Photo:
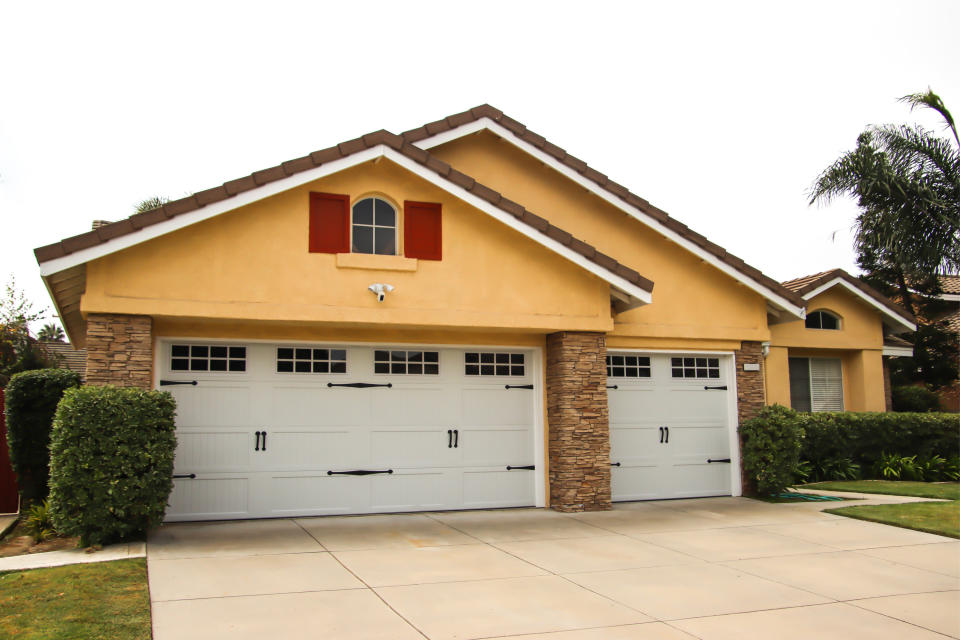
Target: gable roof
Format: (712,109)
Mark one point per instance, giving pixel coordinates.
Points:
(490,118)
(62,263)
(949,282)
(812,285)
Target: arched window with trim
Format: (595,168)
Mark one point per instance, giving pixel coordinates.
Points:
(374,227)
(823,320)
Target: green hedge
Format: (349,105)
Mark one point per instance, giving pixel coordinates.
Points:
(771,448)
(915,399)
(111,462)
(31,399)
(847,445)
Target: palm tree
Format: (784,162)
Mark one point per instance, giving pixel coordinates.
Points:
(51,333)
(907,184)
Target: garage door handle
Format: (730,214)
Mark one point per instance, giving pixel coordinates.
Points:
(518,386)
(257,447)
(184,475)
(167,383)
(529,467)
(456,438)
(612,386)
(727,460)
(358,472)
(614,464)
(449,438)
(359,385)
(661,435)
(667,429)
(723,388)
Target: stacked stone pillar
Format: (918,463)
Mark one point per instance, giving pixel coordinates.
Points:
(579,446)
(751,395)
(120,350)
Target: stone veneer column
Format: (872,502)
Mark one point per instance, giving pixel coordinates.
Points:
(120,350)
(751,395)
(579,425)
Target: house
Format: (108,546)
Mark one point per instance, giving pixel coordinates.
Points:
(836,359)
(64,354)
(461,316)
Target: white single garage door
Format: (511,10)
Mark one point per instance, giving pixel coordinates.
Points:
(670,431)
(274,430)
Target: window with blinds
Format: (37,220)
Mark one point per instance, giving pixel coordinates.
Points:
(816,384)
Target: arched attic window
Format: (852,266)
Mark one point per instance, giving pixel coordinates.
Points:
(374,227)
(823,320)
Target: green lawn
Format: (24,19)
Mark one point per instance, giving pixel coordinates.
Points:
(941,490)
(942,518)
(102,600)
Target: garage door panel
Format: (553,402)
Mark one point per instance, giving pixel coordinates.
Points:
(410,448)
(672,463)
(312,429)
(213,404)
(319,406)
(220,450)
(410,489)
(638,481)
(481,446)
(312,449)
(407,405)
(489,488)
(495,405)
(209,498)
(315,494)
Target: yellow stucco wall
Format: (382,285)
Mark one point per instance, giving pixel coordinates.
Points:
(253,265)
(694,304)
(858,344)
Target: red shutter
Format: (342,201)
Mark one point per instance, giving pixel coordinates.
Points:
(422,230)
(329,223)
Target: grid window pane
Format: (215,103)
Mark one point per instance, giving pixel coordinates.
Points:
(374,227)
(493,364)
(309,360)
(406,362)
(622,366)
(203,357)
(695,367)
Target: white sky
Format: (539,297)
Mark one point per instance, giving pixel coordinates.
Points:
(720,113)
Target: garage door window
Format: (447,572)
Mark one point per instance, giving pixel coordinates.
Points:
(308,360)
(816,384)
(205,357)
(493,364)
(628,366)
(407,362)
(695,367)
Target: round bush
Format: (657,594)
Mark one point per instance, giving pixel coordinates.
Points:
(31,399)
(914,398)
(771,448)
(111,461)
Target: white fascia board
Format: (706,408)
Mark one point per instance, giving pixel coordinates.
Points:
(211,210)
(899,320)
(898,352)
(637,294)
(950,297)
(504,133)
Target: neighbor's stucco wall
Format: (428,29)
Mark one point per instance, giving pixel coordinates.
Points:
(253,265)
(694,304)
(858,343)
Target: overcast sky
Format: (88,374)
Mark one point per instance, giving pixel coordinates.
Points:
(720,113)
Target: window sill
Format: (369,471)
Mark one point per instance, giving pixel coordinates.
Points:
(375,262)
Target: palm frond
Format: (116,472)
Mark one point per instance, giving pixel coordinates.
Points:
(930,100)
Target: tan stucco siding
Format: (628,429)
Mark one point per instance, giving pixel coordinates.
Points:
(252,264)
(692,300)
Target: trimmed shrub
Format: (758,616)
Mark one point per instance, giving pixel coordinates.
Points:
(771,448)
(111,462)
(915,399)
(31,400)
(863,439)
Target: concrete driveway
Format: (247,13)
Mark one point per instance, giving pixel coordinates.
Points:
(704,568)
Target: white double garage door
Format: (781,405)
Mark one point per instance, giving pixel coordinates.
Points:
(276,430)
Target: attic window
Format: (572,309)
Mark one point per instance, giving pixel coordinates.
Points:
(822,320)
(374,227)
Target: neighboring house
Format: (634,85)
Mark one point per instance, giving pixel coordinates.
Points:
(835,359)
(66,356)
(463,316)
(950,284)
